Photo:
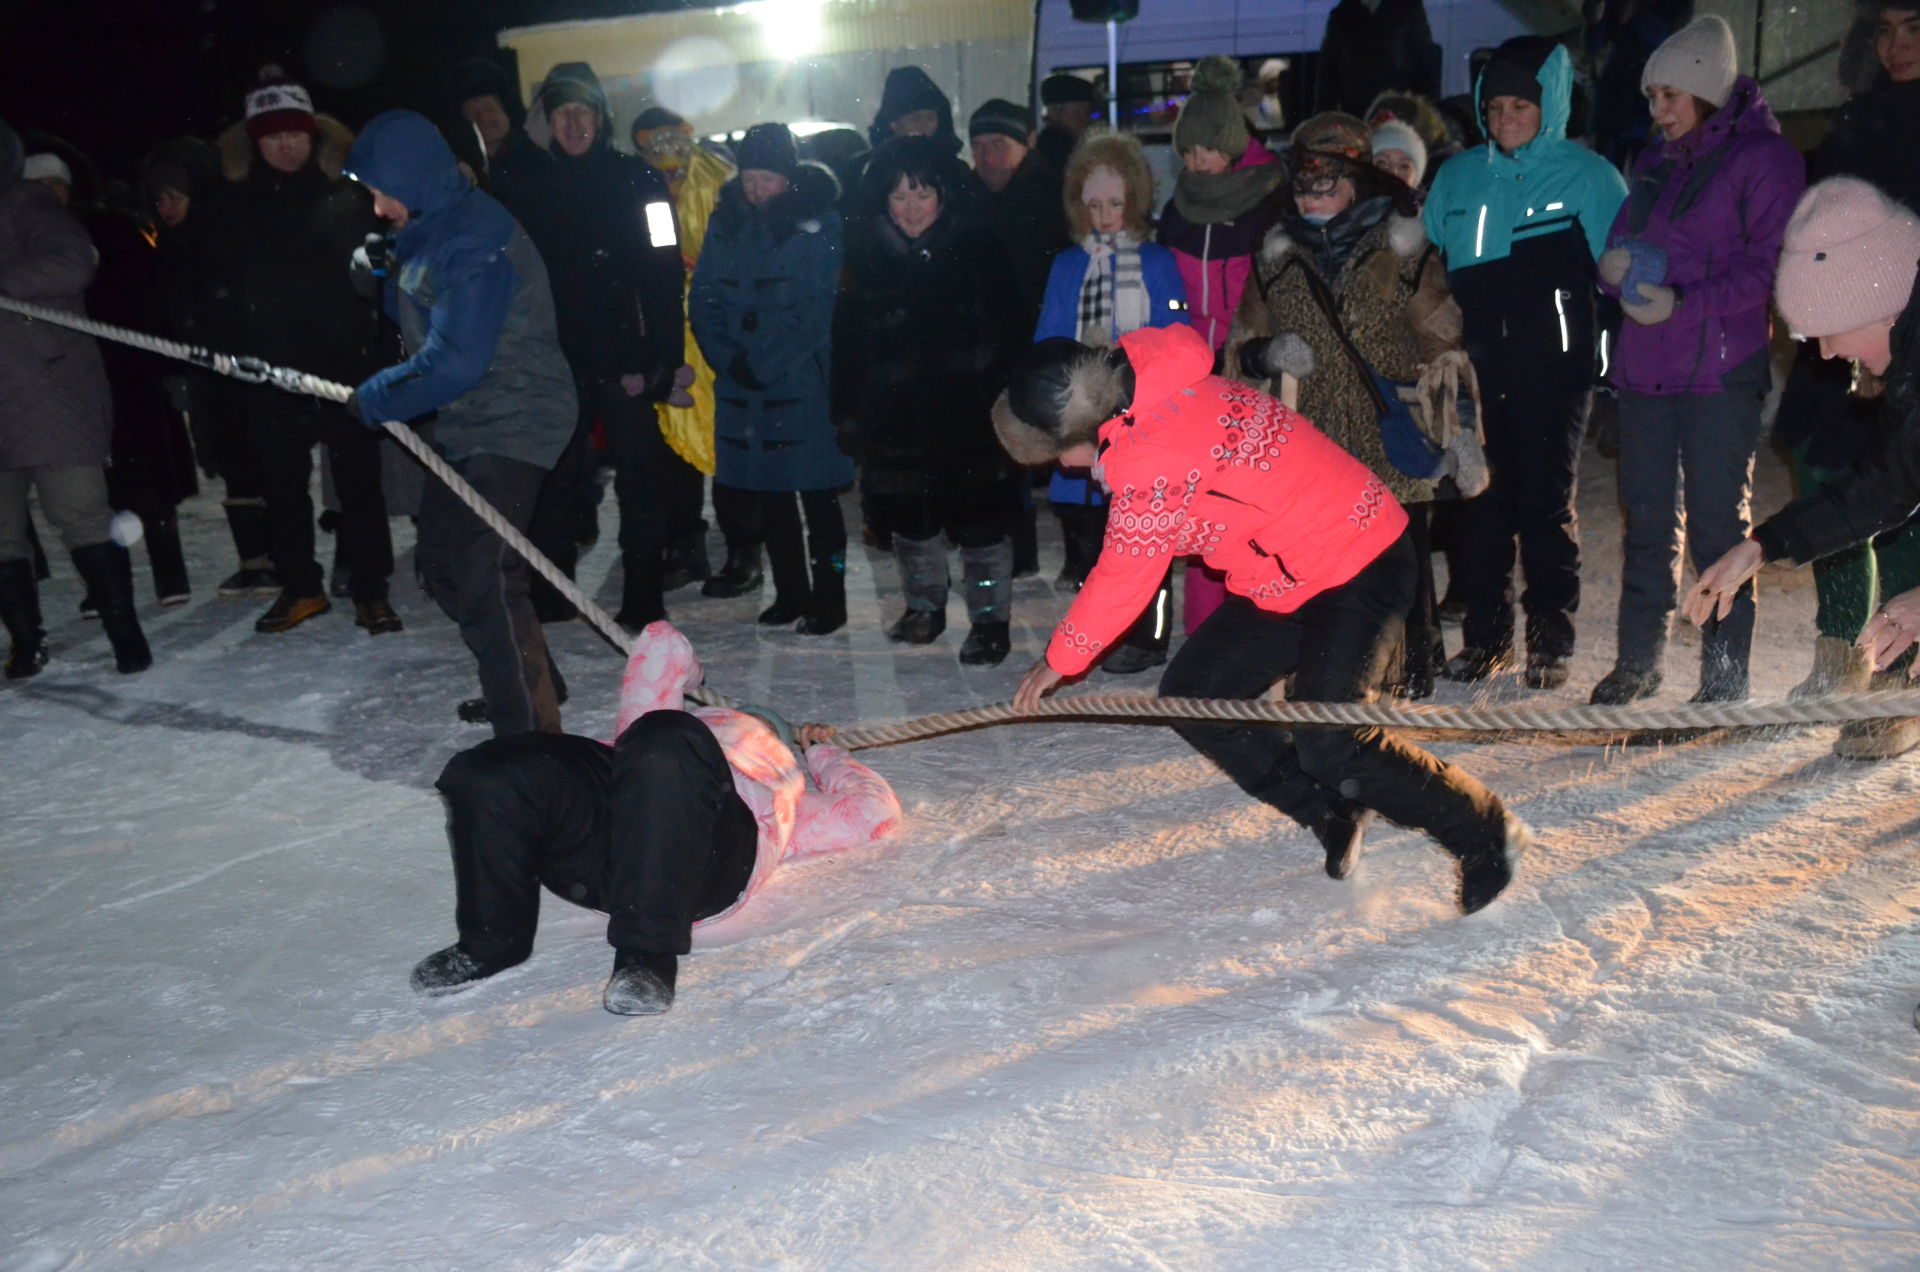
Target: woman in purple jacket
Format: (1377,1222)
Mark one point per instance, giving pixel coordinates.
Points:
(1691,257)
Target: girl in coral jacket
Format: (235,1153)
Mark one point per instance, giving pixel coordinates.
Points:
(677,823)
(1319,571)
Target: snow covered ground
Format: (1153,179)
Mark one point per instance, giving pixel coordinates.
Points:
(1091,1008)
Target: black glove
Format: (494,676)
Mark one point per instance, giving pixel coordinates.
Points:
(740,371)
(1253,358)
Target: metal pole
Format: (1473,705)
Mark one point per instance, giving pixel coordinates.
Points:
(1113,74)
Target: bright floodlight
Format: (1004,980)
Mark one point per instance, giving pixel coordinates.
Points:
(791,27)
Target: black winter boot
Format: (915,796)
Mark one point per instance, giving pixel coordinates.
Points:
(686,560)
(1485,874)
(168,559)
(640,599)
(827,611)
(641,984)
(739,576)
(20,610)
(1340,833)
(792,590)
(987,644)
(108,571)
(451,970)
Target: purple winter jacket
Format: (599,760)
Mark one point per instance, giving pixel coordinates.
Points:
(1717,200)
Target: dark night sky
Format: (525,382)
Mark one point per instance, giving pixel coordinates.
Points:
(114,76)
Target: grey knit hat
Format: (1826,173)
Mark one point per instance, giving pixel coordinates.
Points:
(1212,115)
(1699,58)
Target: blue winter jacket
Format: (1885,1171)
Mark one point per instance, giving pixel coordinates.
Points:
(761,307)
(1521,233)
(471,297)
(1060,316)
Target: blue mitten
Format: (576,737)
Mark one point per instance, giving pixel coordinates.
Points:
(1649,265)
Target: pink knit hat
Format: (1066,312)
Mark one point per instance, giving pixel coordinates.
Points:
(1848,260)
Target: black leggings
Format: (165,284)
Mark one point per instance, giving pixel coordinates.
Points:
(649,830)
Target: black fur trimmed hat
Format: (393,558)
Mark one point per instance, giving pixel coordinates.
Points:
(1058,397)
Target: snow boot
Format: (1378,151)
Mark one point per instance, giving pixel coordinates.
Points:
(987,645)
(739,576)
(1722,678)
(20,610)
(1545,671)
(1623,685)
(1485,873)
(169,560)
(792,590)
(1472,664)
(641,984)
(451,970)
(1340,832)
(827,611)
(918,627)
(686,560)
(1839,666)
(986,582)
(1879,739)
(108,571)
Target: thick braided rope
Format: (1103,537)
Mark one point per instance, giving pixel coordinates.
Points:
(1859,706)
(1854,706)
(255,371)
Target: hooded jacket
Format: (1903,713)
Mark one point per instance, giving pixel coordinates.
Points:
(54,407)
(1213,225)
(1717,200)
(1200,464)
(1521,233)
(1883,489)
(471,297)
(849,804)
(909,88)
(614,257)
(761,307)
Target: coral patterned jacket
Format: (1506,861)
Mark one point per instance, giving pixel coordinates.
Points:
(852,805)
(1200,464)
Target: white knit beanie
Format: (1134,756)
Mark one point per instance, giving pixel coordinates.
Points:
(47,167)
(1699,58)
(1848,260)
(1394,135)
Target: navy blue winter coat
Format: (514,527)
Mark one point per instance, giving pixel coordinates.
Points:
(761,307)
(471,297)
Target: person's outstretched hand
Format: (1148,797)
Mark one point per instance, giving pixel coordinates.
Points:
(812,735)
(1712,596)
(1035,685)
(1892,630)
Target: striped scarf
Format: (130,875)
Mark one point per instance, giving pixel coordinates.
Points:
(1113,295)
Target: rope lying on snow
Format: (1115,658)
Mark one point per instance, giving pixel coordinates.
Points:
(1856,706)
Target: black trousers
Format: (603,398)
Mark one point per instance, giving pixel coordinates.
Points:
(649,830)
(772,517)
(481,583)
(284,429)
(1333,646)
(1533,450)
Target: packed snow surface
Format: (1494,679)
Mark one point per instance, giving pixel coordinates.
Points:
(1090,1008)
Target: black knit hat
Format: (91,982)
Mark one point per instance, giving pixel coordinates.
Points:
(1506,77)
(998,115)
(479,77)
(1058,90)
(770,148)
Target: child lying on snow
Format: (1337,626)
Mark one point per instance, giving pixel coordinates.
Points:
(1319,568)
(677,823)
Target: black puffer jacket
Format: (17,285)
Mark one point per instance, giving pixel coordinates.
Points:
(617,291)
(1031,223)
(925,334)
(292,238)
(1883,489)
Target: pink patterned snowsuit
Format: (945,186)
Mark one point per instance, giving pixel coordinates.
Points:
(849,805)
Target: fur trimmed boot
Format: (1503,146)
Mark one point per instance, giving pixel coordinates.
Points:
(1839,666)
(1879,739)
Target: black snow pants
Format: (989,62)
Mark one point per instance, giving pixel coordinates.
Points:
(1334,646)
(649,830)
